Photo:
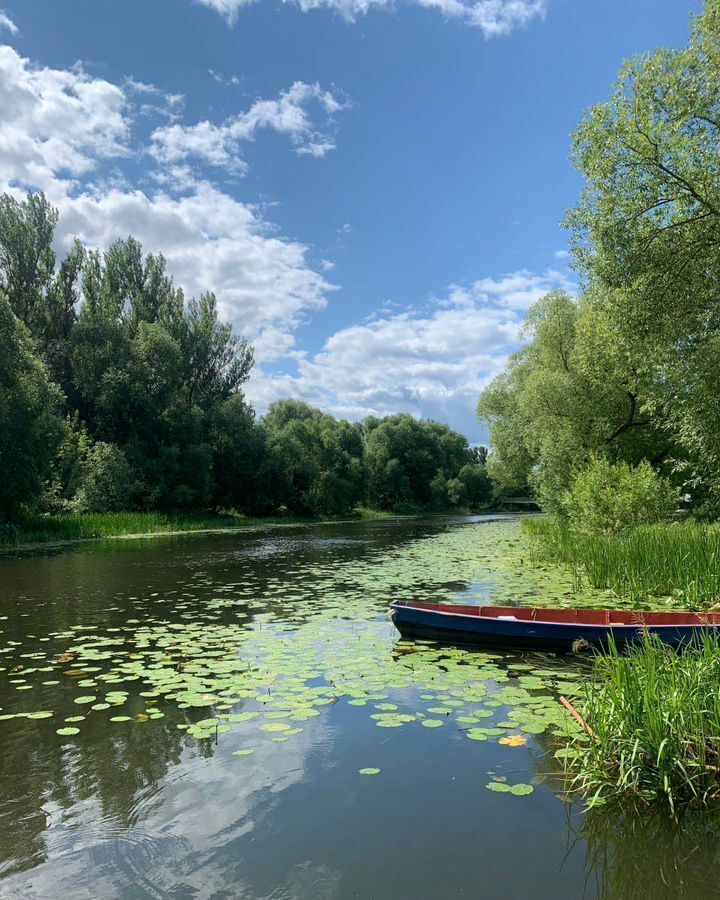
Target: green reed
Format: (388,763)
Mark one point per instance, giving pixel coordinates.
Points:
(42,529)
(681,559)
(654,713)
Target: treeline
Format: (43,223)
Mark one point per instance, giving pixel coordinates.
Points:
(117,393)
(614,401)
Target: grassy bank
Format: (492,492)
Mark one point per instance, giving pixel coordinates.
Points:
(655,718)
(46,529)
(681,559)
(88,526)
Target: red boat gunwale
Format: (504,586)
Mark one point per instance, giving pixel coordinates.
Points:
(577,617)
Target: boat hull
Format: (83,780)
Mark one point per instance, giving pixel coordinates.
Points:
(415,622)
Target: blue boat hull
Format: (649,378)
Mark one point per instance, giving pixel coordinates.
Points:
(420,623)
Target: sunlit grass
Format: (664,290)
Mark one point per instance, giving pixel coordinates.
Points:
(41,529)
(654,713)
(680,559)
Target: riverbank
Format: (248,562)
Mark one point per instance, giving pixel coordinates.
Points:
(678,560)
(65,529)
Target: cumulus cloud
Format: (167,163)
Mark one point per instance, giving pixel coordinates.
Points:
(57,123)
(219,145)
(492,17)
(70,134)
(431,363)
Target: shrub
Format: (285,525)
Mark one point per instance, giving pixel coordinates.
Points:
(610,498)
(107,482)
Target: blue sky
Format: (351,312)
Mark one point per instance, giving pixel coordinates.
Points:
(373,190)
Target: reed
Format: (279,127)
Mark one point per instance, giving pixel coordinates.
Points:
(655,719)
(681,559)
(45,529)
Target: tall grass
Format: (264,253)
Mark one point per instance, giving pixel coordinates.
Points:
(84,526)
(680,559)
(42,529)
(655,718)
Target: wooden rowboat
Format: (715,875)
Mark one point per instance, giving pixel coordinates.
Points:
(553,629)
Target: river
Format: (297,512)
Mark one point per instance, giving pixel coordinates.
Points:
(234,716)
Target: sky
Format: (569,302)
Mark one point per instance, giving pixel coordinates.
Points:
(373,190)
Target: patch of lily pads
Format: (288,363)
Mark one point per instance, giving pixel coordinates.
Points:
(264,659)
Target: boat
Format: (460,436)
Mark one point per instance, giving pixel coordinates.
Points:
(546,629)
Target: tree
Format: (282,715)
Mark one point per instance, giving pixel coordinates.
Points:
(152,373)
(410,463)
(41,297)
(107,483)
(30,426)
(238,451)
(647,233)
(567,394)
(313,462)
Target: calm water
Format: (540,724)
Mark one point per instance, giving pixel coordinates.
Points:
(224,692)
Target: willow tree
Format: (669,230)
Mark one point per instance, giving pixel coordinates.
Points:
(647,232)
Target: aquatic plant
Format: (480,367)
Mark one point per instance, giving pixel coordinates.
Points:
(251,663)
(654,726)
(679,560)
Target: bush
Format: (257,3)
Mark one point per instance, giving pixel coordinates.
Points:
(610,498)
(107,482)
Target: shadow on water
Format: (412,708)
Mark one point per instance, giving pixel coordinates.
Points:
(641,854)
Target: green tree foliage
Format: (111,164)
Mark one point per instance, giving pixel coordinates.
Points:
(563,397)
(238,452)
(144,372)
(414,464)
(610,498)
(647,233)
(630,372)
(107,483)
(30,426)
(314,463)
(155,417)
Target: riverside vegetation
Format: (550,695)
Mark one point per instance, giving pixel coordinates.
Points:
(117,396)
(610,413)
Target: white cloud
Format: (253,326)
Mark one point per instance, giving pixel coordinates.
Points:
(222,79)
(492,17)
(69,134)
(7,24)
(211,242)
(57,123)
(431,363)
(219,145)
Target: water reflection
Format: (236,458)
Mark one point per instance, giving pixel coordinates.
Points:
(640,854)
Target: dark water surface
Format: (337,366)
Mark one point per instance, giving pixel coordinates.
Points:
(184,652)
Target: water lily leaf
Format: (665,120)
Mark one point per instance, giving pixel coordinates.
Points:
(521,790)
(499,787)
